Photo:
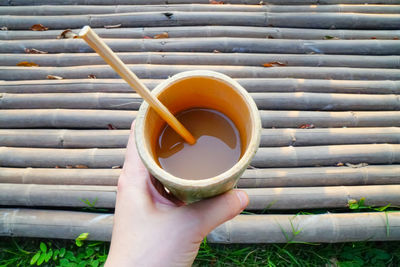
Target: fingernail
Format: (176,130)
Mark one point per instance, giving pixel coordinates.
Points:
(243,198)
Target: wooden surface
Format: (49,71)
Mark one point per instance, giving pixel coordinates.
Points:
(328,95)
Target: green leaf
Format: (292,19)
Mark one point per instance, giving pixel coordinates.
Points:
(62,252)
(35,258)
(79,240)
(70,256)
(43,247)
(383,208)
(41,259)
(89,252)
(94,263)
(55,254)
(48,255)
(82,264)
(327,37)
(64,262)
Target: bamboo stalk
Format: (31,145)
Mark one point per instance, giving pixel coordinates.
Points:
(52,138)
(324,20)
(252,178)
(161,2)
(271,157)
(329,227)
(251,85)
(122,119)
(274,101)
(283,198)
(212,31)
(147,71)
(58,176)
(221,44)
(97,9)
(305,156)
(233,59)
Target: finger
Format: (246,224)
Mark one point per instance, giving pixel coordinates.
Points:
(212,212)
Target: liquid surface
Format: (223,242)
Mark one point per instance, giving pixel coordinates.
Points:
(217,148)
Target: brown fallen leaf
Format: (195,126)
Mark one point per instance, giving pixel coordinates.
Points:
(69,166)
(373,38)
(161,35)
(111,127)
(395,38)
(147,37)
(67,34)
(57,167)
(360,165)
(339,164)
(34,51)
(116,167)
(213,2)
(53,77)
(27,64)
(38,27)
(270,37)
(216,51)
(92,76)
(81,166)
(307,126)
(112,26)
(273,64)
(4,28)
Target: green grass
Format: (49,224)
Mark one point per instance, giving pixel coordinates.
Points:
(20,251)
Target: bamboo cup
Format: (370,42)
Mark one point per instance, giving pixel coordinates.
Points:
(199,89)
(113,60)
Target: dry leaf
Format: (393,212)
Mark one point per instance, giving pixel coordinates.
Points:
(69,166)
(112,26)
(4,28)
(339,164)
(373,38)
(216,51)
(116,167)
(27,64)
(360,165)
(147,37)
(111,127)
(80,166)
(39,27)
(67,34)
(273,64)
(395,38)
(216,2)
(161,36)
(34,51)
(307,126)
(92,76)
(57,167)
(53,77)
(270,37)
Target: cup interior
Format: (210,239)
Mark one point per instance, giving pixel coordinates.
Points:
(200,92)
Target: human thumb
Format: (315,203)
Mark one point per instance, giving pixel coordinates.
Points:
(217,210)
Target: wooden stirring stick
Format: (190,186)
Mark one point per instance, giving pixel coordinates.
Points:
(115,62)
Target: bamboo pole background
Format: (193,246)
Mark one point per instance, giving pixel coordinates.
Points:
(266,157)
(182,58)
(147,71)
(212,31)
(283,198)
(65,138)
(106,9)
(250,84)
(221,44)
(252,178)
(122,119)
(324,20)
(161,2)
(329,227)
(272,101)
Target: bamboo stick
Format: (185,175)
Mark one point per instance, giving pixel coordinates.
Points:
(147,71)
(250,84)
(233,59)
(122,119)
(329,227)
(283,198)
(305,156)
(97,9)
(162,2)
(271,157)
(252,178)
(61,118)
(275,101)
(324,20)
(59,176)
(52,138)
(221,44)
(212,31)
